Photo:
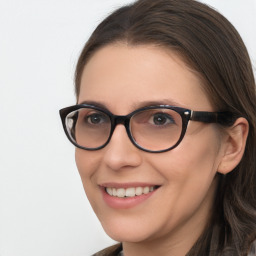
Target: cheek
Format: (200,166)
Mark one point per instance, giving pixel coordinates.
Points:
(191,167)
(200,153)
(87,164)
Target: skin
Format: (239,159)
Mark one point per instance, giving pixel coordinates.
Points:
(123,78)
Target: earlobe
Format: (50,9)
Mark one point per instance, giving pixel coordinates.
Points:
(234,145)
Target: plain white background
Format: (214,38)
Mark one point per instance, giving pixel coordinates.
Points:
(43,208)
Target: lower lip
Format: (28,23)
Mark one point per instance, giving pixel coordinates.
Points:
(125,202)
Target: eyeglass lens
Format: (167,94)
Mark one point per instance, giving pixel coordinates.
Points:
(156,129)
(152,129)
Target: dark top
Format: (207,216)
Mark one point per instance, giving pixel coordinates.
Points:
(117,250)
(114,250)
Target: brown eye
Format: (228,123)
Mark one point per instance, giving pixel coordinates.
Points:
(161,119)
(96,118)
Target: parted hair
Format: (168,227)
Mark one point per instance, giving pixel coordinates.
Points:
(212,47)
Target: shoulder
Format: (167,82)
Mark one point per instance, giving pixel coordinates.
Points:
(113,250)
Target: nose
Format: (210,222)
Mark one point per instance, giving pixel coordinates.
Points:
(120,153)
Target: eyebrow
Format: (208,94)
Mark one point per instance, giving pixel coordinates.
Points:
(156,103)
(94,103)
(137,105)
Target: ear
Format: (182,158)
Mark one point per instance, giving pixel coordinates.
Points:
(233,145)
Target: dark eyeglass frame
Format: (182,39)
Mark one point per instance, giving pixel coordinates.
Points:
(224,118)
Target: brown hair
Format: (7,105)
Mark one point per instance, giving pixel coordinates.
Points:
(212,47)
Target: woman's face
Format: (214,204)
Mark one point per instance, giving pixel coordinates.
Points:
(123,78)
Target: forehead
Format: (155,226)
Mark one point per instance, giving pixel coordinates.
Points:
(120,76)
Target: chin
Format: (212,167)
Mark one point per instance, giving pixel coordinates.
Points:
(126,232)
(129,238)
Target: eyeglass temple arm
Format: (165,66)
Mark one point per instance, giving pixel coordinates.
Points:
(223,118)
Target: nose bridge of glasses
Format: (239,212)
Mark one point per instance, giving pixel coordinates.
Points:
(124,120)
(120,120)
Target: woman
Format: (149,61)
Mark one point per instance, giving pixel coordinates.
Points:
(164,129)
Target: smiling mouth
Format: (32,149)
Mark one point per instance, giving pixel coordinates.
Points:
(130,192)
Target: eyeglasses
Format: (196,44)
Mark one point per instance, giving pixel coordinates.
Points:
(152,129)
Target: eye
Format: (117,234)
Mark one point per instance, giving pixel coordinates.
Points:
(161,119)
(96,118)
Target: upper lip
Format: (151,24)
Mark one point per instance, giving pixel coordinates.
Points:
(127,185)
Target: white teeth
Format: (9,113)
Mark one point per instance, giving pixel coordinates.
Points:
(139,191)
(145,190)
(121,192)
(109,191)
(129,192)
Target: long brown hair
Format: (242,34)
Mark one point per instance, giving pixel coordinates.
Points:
(213,48)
